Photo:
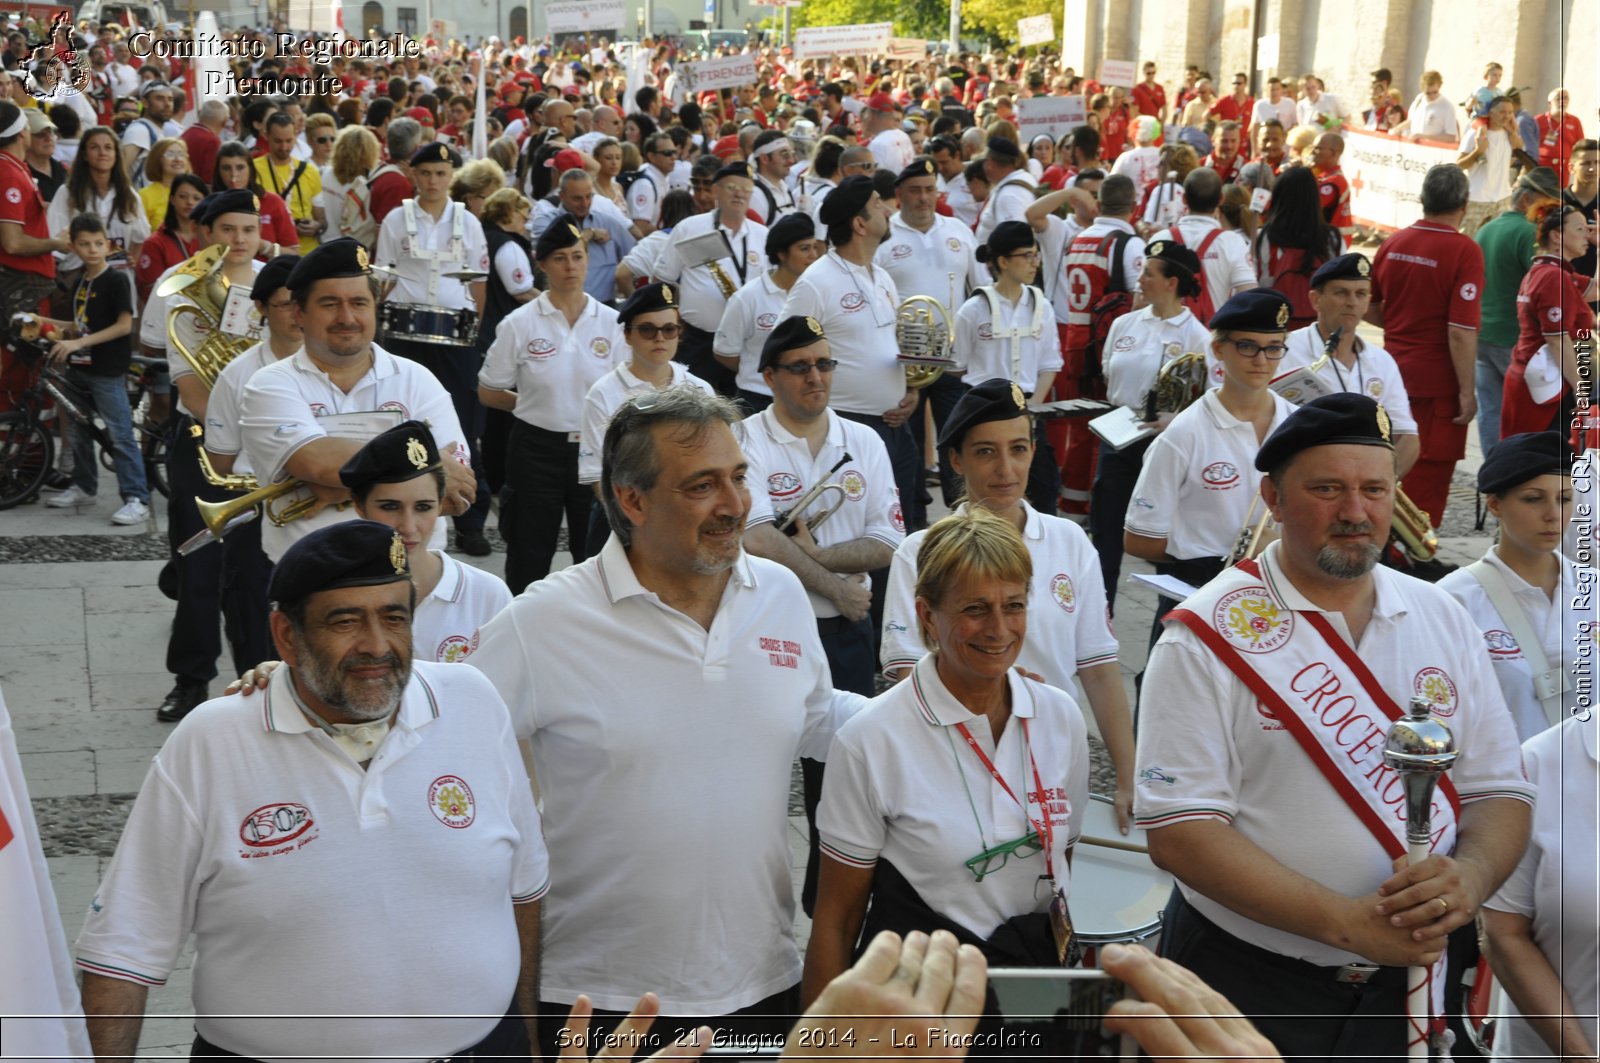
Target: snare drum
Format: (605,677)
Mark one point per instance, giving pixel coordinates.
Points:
(427,324)
(1117,896)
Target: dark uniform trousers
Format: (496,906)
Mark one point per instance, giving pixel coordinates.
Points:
(942,395)
(541,488)
(694,351)
(226,582)
(457,369)
(852,651)
(1108,508)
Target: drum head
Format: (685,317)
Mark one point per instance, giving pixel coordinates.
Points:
(1117,896)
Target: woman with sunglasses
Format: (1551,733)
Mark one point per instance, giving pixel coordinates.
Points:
(952,802)
(1552,315)
(176,240)
(168,158)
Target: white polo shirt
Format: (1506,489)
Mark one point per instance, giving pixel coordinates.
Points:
(552,365)
(445,626)
(1375,374)
(191,333)
(603,401)
(856,307)
(752,314)
(1560,624)
(1008,201)
(782,463)
(701,295)
(1558,895)
(398,249)
(640,718)
(892,150)
(1283,111)
(1068,626)
(987,356)
(227,395)
(250,830)
(940,263)
(958,197)
(1206,751)
(1228,264)
(904,786)
(153,319)
(284,402)
(644,195)
(1199,478)
(1140,343)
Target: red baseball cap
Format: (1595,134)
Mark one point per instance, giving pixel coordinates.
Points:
(726,148)
(423,115)
(883,102)
(566,159)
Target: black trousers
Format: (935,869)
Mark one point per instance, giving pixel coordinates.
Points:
(508,1040)
(541,488)
(754,401)
(694,351)
(764,1022)
(1196,571)
(1108,508)
(942,395)
(906,461)
(1298,1006)
(457,369)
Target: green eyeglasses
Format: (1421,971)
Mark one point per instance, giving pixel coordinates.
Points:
(991,860)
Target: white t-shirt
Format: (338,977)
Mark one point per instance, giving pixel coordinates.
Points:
(1008,201)
(1435,119)
(124,231)
(940,263)
(958,197)
(1206,751)
(445,626)
(1490,180)
(1375,374)
(752,314)
(641,261)
(552,365)
(1068,626)
(1139,344)
(1199,478)
(856,306)
(644,195)
(603,401)
(986,350)
(1327,106)
(892,150)
(783,464)
(1140,165)
(904,786)
(1283,111)
(250,809)
(699,290)
(511,265)
(399,250)
(639,717)
(1559,895)
(1227,264)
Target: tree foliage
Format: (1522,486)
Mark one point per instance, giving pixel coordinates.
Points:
(912,18)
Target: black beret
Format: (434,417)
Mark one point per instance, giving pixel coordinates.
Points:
(1519,458)
(736,168)
(352,553)
(1256,310)
(1003,147)
(847,200)
(403,453)
(921,166)
(790,230)
(1175,254)
(559,235)
(438,151)
(1351,267)
(657,295)
(788,334)
(273,275)
(992,400)
(1344,417)
(1007,238)
(336,258)
(233,201)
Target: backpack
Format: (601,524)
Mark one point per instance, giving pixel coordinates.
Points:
(1200,305)
(136,174)
(355,218)
(1289,272)
(626,178)
(1115,301)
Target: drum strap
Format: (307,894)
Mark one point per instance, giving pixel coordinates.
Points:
(1015,332)
(1548,683)
(455,255)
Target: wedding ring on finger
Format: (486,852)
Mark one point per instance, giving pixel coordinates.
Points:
(1443,902)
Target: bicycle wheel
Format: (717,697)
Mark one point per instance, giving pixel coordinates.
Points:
(156,446)
(27,454)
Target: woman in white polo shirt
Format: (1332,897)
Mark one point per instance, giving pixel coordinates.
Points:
(989,438)
(953,800)
(1523,590)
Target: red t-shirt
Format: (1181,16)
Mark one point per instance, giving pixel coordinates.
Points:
(1333,190)
(1428,277)
(277,224)
(159,253)
(1149,98)
(388,191)
(1228,109)
(203,145)
(1549,303)
(1228,170)
(1114,134)
(21,204)
(1556,139)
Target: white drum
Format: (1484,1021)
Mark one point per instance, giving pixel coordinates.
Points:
(1117,895)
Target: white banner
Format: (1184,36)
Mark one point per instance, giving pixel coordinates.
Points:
(1385,175)
(591,16)
(818,42)
(711,74)
(1118,72)
(1052,116)
(1267,51)
(907,48)
(1036,29)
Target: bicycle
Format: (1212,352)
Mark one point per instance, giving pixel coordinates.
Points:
(27,445)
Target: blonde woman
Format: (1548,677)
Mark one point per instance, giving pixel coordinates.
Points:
(321,130)
(503,150)
(168,157)
(345,202)
(475,182)
(608,153)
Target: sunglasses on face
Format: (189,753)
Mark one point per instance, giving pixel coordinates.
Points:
(666,332)
(821,365)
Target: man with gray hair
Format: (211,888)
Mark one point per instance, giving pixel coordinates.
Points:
(391,184)
(605,232)
(1426,282)
(670,680)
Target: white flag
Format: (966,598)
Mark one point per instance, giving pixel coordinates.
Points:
(480,113)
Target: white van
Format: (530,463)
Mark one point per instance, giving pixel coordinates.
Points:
(151,14)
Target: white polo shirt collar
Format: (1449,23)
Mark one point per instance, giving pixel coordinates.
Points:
(451,580)
(544,306)
(620,583)
(280,712)
(1389,604)
(383,367)
(939,708)
(783,437)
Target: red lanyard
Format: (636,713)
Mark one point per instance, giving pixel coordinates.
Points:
(1042,828)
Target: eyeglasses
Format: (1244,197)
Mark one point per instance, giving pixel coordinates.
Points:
(1031,256)
(991,860)
(821,365)
(324,140)
(1250,348)
(650,332)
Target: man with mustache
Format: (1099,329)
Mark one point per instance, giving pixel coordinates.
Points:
(666,686)
(1261,775)
(365,821)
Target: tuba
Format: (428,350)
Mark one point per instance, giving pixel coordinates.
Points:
(1181,381)
(201,279)
(923,333)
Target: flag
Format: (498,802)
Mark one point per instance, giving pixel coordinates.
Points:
(480,111)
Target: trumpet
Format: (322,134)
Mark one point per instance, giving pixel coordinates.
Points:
(201,278)
(788,520)
(222,517)
(924,335)
(238,481)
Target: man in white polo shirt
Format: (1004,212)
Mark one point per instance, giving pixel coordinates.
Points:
(792,245)
(1225,260)
(666,686)
(644,195)
(305,416)
(314,842)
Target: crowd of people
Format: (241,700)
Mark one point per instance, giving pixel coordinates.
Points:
(664,332)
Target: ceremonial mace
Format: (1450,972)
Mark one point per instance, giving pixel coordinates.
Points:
(1420,749)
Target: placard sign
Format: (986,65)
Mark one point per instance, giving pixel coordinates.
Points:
(1036,29)
(817,42)
(1051,116)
